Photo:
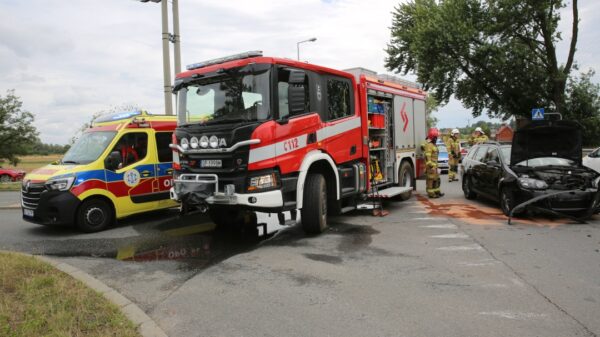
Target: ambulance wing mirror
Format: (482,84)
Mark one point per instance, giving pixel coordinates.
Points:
(113,161)
(297,92)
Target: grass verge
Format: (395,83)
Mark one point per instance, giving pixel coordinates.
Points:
(14,186)
(38,300)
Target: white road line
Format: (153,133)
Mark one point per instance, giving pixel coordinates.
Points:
(450,236)
(442,226)
(513,315)
(460,248)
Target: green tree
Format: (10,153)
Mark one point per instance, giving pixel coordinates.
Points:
(583,105)
(497,56)
(431,106)
(17,132)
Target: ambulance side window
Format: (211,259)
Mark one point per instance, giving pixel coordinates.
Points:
(163,140)
(132,147)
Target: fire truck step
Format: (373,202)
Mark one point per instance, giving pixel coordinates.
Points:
(390,192)
(368,205)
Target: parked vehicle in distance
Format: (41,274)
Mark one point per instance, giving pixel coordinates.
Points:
(9,175)
(544,162)
(443,158)
(592,160)
(119,167)
(464,148)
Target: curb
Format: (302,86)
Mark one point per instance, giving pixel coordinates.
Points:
(16,206)
(145,325)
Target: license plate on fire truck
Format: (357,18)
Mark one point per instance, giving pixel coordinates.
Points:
(211,163)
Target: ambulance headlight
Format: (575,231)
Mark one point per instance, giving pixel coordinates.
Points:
(204,142)
(185,144)
(60,184)
(194,142)
(214,142)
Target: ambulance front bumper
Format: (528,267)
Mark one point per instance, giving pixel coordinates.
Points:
(198,188)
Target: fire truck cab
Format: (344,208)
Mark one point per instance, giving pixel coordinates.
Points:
(272,135)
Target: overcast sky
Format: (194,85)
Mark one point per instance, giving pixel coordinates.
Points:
(70,59)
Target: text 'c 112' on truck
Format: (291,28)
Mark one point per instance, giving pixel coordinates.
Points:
(273,135)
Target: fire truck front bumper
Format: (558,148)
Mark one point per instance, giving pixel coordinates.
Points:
(195,189)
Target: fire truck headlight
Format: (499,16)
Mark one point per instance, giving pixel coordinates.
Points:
(185,144)
(262,182)
(204,141)
(61,184)
(194,142)
(214,142)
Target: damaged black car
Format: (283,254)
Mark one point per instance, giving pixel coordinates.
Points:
(540,171)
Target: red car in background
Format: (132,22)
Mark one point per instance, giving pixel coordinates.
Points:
(8,175)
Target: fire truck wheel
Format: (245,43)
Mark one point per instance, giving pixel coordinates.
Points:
(94,215)
(314,210)
(405,179)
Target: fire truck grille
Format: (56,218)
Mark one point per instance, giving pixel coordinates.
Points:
(30,196)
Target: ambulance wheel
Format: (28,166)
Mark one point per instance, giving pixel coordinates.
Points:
(405,179)
(94,215)
(314,209)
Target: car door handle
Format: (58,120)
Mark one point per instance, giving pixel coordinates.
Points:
(145,173)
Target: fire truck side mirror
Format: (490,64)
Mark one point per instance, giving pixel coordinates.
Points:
(112,161)
(296,92)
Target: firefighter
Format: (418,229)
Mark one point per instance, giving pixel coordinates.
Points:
(453,146)
(479,137)
(431,165)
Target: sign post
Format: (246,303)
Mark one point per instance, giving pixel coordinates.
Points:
(537,114)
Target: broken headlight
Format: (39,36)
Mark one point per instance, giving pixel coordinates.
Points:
(596,182)
(533,184)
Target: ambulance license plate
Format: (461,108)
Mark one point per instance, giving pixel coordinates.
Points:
(28,212)
(211,163)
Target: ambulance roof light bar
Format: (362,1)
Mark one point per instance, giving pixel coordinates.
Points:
(248,54)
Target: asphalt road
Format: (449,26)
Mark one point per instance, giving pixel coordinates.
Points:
(447,267)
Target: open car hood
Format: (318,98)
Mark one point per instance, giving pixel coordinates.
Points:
(560,139)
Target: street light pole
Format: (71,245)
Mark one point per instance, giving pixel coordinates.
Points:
(298,46)
(176,37)
(166,59)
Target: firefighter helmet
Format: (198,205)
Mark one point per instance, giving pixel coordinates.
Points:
(478,129)
(433,133)
(454,132)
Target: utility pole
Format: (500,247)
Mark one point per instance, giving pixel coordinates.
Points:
(166,59)
(176,37)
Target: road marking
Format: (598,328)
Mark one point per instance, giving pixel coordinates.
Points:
(442,226)
(460,248)
(513,315)
(450,236)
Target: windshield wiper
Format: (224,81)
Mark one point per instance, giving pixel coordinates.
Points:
(70,162)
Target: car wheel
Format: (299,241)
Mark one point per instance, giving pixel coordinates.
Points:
(5,178)
(405,179)
(314,209)
(94,215)
(467,187)
(508,202)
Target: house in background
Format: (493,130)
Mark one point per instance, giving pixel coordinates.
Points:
(504,134)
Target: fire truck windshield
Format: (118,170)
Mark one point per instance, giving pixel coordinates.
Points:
(232,95)
(88,147)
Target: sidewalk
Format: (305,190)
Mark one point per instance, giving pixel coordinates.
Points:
(10,200)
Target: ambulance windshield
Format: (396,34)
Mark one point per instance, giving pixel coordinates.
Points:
(230,96)
(88,147)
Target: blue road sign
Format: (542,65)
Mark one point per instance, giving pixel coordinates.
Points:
(537,114)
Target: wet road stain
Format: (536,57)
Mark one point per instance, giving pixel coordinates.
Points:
(481,214)
(324,258)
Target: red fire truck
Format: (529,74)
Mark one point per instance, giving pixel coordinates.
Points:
(273,135)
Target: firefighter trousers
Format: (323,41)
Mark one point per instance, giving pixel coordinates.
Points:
(432,182)
(453,170)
